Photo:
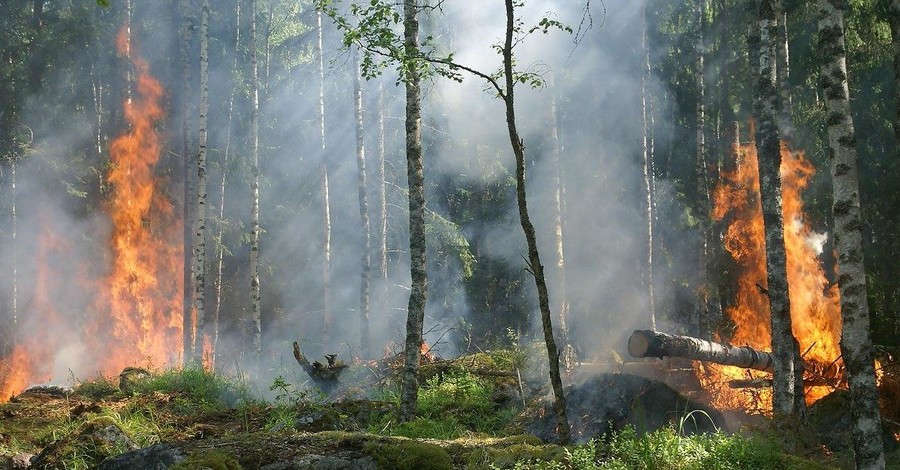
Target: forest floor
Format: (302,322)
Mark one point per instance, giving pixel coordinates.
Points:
(474,412)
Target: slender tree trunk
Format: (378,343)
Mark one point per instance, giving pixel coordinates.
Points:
(255,294)
(788,397)
(418,293)
(701,172)
(785,121)
(326,201)
(199,260)
(646,163)
(220,247)
(894,19)
(35,56)
(15,245)
(366,264)
(187,312)
(558,203)
(382,190)
(533,256)
(856,342)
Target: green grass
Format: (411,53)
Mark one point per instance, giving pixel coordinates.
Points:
(195,386)
(666,449)
(456,404)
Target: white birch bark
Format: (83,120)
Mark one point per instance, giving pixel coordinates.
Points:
(856,341)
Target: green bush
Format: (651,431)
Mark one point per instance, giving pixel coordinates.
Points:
(196,386)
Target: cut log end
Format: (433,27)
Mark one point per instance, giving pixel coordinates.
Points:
(638,344)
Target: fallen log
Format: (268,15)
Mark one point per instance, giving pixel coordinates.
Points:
(647,343)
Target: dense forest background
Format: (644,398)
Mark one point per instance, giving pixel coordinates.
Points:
(62,84)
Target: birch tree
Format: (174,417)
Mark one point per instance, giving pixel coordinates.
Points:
(856,341)
(187,312)
(788,371)
(366,262)
(198,266)
(255,295)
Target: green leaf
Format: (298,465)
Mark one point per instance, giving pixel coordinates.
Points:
(103,3)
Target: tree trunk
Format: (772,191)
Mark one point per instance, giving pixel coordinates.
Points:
(382,191)
(199,259)
(856,343)
(785,121)
(533,256)
(220,247)
(708,311)
(187,312)
(787,396)
(558,203)
(366,262)
(646,169)
(326,201)
(646,343)
(415,318)
(894,19)
(255,294)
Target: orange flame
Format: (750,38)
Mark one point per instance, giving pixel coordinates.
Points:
(815,306)
(143,301)
(136,313)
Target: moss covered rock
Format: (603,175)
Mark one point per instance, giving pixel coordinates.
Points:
(408,455)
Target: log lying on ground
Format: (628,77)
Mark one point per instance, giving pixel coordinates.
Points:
(647,343)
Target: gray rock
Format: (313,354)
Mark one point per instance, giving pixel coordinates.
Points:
(155,457)
(322,462)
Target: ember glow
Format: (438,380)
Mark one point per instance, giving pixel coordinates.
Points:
(135,317)
(815,306)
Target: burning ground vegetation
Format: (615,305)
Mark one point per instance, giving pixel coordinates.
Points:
(484,410)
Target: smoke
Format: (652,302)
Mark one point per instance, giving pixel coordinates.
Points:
(597,85)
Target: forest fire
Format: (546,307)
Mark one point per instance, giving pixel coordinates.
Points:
(144,295)
(134,316)
(815,307)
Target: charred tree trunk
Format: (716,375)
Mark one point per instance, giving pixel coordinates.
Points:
(856,342)
(788,396)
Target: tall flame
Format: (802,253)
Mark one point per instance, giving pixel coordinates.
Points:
(143,302)
(815,306)
(136,313)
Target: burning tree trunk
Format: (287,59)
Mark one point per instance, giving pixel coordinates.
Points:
(363,212)
(647,343)
(788,396)
(856,342)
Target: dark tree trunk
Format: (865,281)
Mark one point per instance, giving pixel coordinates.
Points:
(533,256)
